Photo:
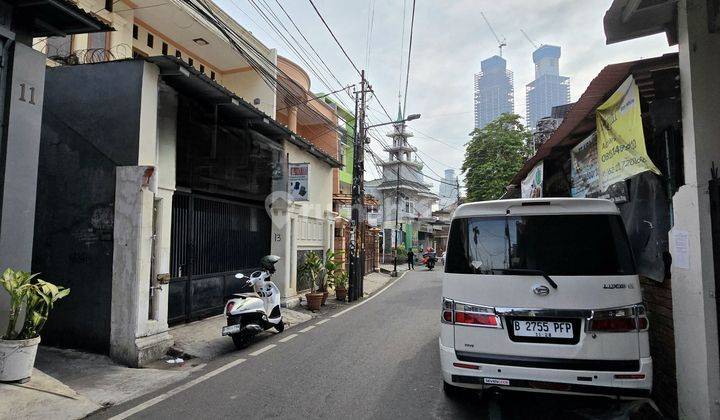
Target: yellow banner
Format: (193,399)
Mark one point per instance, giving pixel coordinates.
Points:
(620,137)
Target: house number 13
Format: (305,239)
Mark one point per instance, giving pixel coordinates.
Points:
(31,90)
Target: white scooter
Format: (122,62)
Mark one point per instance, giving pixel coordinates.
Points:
(250,313)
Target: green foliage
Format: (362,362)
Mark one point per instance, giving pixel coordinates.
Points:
(36,296)
(320,272)
(493,156)
(310,270)
(341,279)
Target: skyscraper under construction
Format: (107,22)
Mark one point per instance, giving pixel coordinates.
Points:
(549,89)
(493,91)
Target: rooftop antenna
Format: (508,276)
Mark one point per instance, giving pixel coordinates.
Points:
(534,44)
(502,43)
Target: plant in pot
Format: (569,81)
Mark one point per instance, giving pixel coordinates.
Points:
(34,298)
(341,283)
(313,270)
(331,269)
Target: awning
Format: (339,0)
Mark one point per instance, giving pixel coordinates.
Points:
(629,19)
(58,18)
(580,119)
(189,81)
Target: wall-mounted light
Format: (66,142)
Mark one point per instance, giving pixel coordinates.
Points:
(200,41)
(256,101)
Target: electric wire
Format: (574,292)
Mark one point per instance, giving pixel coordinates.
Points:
(334,37)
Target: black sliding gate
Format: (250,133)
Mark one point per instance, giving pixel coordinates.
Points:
(212,239)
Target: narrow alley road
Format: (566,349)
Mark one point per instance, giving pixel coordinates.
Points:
(377,360)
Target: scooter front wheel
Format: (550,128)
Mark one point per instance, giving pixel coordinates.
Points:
(280,326)
(240,340)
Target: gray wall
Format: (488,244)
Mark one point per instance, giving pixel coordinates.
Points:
(90,126)
(19,179)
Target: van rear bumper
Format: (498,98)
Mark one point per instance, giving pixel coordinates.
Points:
(597,377)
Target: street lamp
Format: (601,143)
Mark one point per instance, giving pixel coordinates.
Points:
(409,118)
(397,188)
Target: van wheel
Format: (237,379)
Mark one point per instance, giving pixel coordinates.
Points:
(453,392)
(280,326)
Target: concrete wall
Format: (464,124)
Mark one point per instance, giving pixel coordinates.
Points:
(694,294)
(84,137)
(19,180)
(248,85)
(139,331)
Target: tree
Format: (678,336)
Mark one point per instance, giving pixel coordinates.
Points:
(493,156)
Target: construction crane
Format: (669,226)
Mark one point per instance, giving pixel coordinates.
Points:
(502,43)
(534,44)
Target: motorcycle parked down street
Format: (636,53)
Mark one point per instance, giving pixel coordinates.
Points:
(251,313)
(429,259)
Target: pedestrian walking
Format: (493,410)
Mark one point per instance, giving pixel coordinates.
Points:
(411,259)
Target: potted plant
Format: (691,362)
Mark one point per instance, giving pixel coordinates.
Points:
(312,269)
(341,283)
(331,269)
(34,298)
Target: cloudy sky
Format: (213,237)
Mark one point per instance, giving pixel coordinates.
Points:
(450,39)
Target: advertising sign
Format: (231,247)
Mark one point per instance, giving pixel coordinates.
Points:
(620,138)
(298,178)
(532,185)
(584,168)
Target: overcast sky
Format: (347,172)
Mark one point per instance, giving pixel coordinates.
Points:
(449,41)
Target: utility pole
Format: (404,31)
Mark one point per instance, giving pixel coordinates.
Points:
(397,210)
(357,224)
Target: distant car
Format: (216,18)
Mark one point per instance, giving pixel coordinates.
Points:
(542,295)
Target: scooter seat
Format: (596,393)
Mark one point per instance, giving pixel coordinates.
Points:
(247,295)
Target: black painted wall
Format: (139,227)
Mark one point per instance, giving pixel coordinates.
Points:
(90,126)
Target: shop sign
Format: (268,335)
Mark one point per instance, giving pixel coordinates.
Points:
(584,168)
(298,178)
(532,185)
(620,138)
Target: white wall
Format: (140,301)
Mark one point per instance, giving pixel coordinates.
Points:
(302,225)
(695,320)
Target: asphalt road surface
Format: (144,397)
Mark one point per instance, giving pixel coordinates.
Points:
(378,360)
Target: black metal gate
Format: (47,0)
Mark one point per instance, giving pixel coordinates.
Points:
(212,239)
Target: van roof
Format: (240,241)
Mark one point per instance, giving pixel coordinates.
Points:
(536,206)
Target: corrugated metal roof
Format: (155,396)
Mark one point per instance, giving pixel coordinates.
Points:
(579,120)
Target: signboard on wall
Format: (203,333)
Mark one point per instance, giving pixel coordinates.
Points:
(532,185)
(298,179)
(584,169)
(620,137)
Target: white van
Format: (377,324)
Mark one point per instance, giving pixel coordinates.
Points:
(542,295)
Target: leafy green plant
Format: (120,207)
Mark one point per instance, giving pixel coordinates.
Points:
(36,296)
(333,266)
(341,279)
(311,269)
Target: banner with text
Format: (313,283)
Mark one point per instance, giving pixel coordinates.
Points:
(584,168)
(298,177)
(620,137)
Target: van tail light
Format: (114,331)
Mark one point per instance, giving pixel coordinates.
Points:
(469,315)
(630,318)
(447,311)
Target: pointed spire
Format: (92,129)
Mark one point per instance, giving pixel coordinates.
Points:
(400,115)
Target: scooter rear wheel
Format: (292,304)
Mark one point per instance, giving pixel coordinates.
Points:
(240,340)
(280,326)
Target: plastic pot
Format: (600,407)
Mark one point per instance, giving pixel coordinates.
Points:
(17,358)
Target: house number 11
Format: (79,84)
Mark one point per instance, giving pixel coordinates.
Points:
(31,89)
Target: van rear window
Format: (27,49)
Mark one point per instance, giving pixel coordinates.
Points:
(565,245)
